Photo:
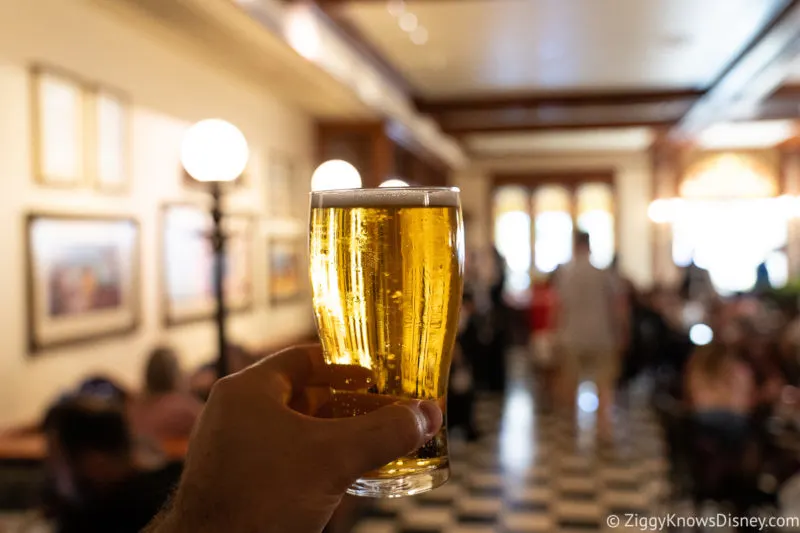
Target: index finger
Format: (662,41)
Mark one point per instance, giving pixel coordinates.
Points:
(287,370)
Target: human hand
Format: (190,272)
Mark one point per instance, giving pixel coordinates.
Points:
(257,463)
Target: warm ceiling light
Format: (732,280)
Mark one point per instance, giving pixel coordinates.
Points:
(302,32)
(408,22)
(214,150)
(335,174)
(420,35)
(396,7)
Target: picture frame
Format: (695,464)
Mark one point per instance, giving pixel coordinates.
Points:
(83,278)
(110,140)
(288,270)
(187,261)
(58,112)
(80,132)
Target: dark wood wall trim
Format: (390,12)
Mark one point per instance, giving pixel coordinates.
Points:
(526,101)
(500,127)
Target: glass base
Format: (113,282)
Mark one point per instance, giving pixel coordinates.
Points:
(397,487)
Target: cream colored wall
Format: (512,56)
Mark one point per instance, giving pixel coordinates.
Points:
(170,88)
(633,185)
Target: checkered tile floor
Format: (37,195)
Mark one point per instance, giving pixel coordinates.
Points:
(535,472)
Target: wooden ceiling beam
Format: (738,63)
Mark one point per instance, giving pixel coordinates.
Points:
(581,99)
(460,131)
(788,91)
(341,2)
(529,179)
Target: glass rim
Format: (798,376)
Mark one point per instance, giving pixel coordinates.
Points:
(410,188)
(388,196)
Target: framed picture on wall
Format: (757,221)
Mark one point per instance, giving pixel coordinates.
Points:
(288,269)
(111,141)
(187,264)
(58,128)
(83,278)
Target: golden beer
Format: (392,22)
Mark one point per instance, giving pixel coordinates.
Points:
(386,275)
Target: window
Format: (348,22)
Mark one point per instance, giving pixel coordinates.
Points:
(730,238)
(512,236)
(553,227)
(550,214)
(596,217)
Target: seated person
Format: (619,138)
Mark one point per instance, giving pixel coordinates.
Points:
(164,410)
(720,388)
(96,486)
(202,379)
(461,396)
(104,388)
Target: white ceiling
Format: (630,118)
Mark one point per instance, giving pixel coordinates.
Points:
(481,46)
(793,75)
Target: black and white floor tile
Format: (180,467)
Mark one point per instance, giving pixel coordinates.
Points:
(535,472)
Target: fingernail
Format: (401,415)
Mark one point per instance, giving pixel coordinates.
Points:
(433,417)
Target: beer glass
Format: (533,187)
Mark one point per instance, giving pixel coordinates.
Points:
(386,270)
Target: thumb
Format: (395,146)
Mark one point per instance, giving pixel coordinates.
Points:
(372,440)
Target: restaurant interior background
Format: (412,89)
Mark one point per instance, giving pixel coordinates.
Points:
(666,128)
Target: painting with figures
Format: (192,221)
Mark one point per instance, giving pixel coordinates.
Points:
(188,264)
(287,271)
(83,278)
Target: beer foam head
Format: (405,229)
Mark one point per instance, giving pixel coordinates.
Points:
(388,197)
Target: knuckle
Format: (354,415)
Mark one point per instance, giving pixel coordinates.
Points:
(223,388)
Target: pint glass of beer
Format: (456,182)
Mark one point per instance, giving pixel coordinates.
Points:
(386,271)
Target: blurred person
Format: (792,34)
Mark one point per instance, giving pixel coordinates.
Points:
(542,342)
(790,347)
(96,484)
(591,330)
(725,445)
(720,388)
(105,388)
(165,410)
(644,336)
(761,353)
(461,396)
(763,284)
(243,475)
(203,378)
(471,337)
(468,354)
(499,331)
(696,284)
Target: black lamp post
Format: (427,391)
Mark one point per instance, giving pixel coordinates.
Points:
(216,152)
